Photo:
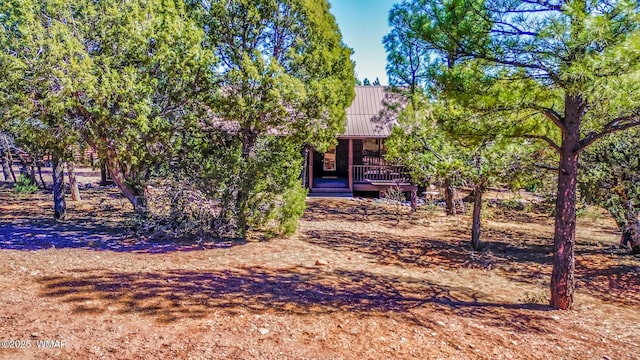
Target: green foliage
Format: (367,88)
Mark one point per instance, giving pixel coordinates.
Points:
(299,84)
(433,151)
(271,177)
(513,204)
(514,62)
(293,205)
(117,75)
(563,74)
(219,96)
(275,96)
(611,176)
(36,55)
(275,198)
(591,213)
(145,66)
(418,143)
(24,185)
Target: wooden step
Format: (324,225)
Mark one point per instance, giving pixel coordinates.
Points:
(330,194)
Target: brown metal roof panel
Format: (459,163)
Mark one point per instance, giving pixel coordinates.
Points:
(361,125)
(369,114)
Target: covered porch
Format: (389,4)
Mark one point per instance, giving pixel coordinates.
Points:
(355,164)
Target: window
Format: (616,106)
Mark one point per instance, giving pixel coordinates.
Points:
(329,160)
(373,152)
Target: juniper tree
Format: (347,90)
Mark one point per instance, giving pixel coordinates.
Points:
(285,80)
(121,74)
(37,53)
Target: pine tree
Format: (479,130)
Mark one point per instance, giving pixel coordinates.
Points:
(566,74)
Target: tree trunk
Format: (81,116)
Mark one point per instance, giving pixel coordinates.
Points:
(242,198)
(24,167)
(32,174)
(242,201)
(10,161)
(562,279)
(104,179)
(73,184)
(631,230)
(305,165)
(635,241)
(44,185)
(4,162)
(59,205)
(449,196)
(477,207)
(414,197)
(113,166)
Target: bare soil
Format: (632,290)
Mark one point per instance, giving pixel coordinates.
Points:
(359,280)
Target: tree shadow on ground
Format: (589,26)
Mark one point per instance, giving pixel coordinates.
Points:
(603,270)
(4,185)
(174,294)
(406,251)
(98,234)
(617,283)
(390,216)
(97,223)
(528,261)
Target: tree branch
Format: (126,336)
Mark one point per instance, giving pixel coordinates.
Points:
(516,30)
(550,114)
(547,139)
(546,167)
(619,124)
(517,64)
(546,4)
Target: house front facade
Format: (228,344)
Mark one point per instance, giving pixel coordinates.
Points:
(357,162)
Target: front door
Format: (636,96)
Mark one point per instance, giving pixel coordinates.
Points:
(332,163)
(329,162)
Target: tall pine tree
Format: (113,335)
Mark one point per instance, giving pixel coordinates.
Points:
(566,73)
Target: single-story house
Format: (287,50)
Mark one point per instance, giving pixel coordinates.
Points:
(357,162)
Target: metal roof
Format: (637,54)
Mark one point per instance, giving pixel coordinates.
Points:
(373,112)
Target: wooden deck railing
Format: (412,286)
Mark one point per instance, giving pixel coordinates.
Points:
(379,173)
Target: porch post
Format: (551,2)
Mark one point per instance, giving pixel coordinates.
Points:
(310,169)
(350,165)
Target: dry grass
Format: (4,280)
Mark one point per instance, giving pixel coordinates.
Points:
(359,280)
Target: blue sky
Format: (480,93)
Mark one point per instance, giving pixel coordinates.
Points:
(363,23)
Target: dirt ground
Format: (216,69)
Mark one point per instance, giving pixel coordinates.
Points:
(359,280)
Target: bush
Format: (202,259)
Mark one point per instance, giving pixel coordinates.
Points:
(589,212)
(293,205)
(24,185)
(178,211)
(512,204)
(394,194)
